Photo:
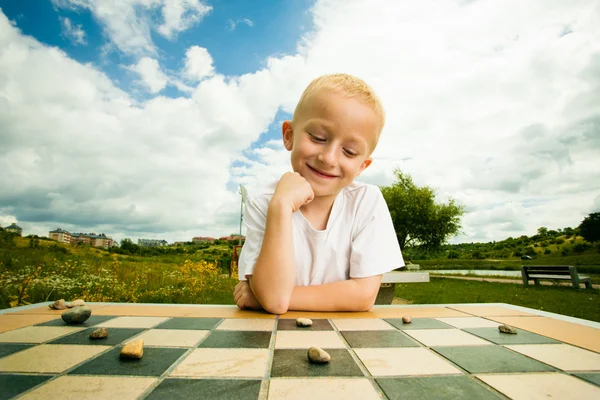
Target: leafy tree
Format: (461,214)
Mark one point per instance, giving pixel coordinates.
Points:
(590,227)
(418,220)
(543,231)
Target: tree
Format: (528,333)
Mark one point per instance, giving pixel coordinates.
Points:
(543,231)
(418,220)
(590,227)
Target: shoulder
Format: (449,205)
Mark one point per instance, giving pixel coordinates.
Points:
(259,196)
(363,194)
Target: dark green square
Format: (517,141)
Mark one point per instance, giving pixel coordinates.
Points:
(481,359)
(288,324)
(419,323)
(212,389)
(91,321)
(237,339)
(373,339)
(154,362)
(592,377)
(189,323)
(435,388)
(12,385)
(9,348)
(522,337)
(115,336)
(295,363)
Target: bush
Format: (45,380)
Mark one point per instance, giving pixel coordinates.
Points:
(564,252)
(581,247)
(547,251)
(544,244)
(453,254)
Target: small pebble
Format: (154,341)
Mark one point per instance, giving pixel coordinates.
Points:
(303,322)
(133,349)
(99,333)
(58,305)
(507,329)
(76,303)
(317,355)
(76,315)
(406,319)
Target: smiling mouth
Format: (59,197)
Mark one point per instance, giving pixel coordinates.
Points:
(319,173)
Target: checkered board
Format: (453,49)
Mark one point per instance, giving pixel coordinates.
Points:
(254,358)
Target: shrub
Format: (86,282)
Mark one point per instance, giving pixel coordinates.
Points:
(547,251)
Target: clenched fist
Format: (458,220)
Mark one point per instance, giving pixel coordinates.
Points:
(244,298)
(293,190)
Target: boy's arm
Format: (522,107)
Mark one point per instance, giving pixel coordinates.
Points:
(356,294)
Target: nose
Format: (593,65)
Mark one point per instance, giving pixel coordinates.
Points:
(328,156)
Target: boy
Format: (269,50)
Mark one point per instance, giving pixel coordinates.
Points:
(316,240)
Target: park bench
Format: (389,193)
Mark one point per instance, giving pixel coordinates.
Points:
(389,281)
(553,272)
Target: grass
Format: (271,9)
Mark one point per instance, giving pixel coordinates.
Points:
(561,300)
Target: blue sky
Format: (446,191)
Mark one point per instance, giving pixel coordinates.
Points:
(154,111)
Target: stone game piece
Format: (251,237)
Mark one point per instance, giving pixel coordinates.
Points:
(318,356)
(406,319)
(58,305)
(507,329)
(76,315)
(133,350)
(304,322)
(76,303)
(99,333)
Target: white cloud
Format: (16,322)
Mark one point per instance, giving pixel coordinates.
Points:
(74,33)
(128,23)
(152,76)
(491,103)
(233,24)
(198,63)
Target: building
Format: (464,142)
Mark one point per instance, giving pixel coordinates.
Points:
(203,239)
(92,239)
(14,228)
(152,242)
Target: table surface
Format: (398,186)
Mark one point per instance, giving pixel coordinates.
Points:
(220,352)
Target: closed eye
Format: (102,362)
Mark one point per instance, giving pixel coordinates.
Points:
(316,138)
(350,153)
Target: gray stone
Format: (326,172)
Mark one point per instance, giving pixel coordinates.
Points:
(99,333)
(76,303)
(507,329)
(303,322)
(76,315)
(319,356)
(134,349)
(58,305)
(406,319)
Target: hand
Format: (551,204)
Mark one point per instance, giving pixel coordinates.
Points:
(293,190)
(244,298)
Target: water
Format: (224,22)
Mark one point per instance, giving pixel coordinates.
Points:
(481,272)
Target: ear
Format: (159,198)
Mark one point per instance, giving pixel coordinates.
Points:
(365,164)
(288,135)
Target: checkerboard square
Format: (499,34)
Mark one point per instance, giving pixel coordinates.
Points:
(91,321)
(563,356)
(71,387)
(490,359)
(205,324)
(36,334)
(154,362)
(289,324)
(360,324)
(418,323)
(115,336)
(12,385)
(446,337)
(6,349)
(171,337)
(435,388)
(247,324)
(522,337)
(210,389)
(243,363)
(373,339)
(305,340)
(592,377)
(237,339)
(469,322)
(49,358)
(132,322)
(296,363)
(338,388)
(404,362)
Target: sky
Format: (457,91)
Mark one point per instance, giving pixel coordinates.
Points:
(141,118)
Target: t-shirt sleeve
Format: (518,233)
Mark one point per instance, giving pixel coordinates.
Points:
(375,248)
(255,219)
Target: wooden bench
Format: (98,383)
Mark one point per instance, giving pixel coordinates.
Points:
(389,281)
(553,272)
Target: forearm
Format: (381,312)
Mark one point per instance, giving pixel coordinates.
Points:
(348,295)
(274,274)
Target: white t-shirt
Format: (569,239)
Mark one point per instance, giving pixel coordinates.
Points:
(358,242)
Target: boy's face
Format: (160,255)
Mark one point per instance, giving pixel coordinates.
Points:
(331,141)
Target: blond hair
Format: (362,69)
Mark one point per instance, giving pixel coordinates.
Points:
(348,86)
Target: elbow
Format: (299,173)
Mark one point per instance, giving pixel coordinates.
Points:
(276,305)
